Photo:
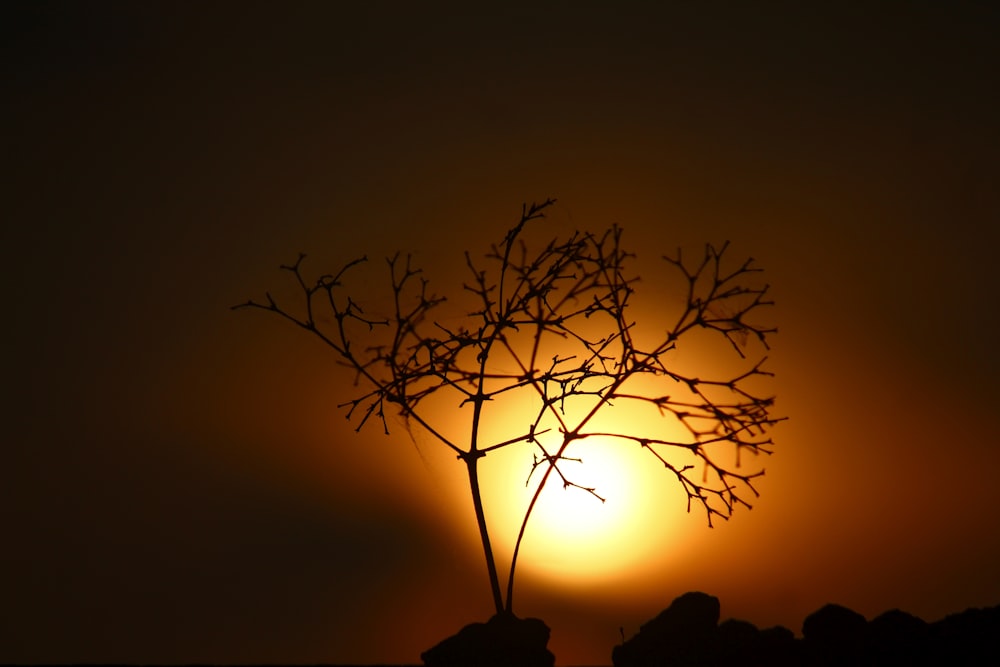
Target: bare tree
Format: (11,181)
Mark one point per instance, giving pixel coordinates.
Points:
(554,326)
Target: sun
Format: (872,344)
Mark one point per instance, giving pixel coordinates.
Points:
(574,534)
(613,507)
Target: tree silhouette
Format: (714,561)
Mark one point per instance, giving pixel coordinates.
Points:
(553,326)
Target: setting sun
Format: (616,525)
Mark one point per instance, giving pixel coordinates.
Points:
(572,536)
(593,451)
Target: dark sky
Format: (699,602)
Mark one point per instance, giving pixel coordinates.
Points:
(178,485)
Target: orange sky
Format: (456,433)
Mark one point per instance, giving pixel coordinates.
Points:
(179,486)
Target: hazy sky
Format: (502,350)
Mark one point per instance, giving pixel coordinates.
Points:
(178,485)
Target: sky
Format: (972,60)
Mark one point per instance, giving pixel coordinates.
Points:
(178,484)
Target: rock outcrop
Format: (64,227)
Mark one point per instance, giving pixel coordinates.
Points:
(679,635)
(688,634)
(503,641)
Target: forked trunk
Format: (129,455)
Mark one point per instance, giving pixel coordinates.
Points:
(477,503)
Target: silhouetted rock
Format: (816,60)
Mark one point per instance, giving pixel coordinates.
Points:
(897,638)
(740,643)
(971,637)
(687,634)
(682,634)
(834,624)
(503,641)
(778,647)
(835,635)
(734,640)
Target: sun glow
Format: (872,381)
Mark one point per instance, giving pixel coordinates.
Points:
(568,416)
(576,535)
(572,536)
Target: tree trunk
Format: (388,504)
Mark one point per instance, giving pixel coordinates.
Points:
(477,502)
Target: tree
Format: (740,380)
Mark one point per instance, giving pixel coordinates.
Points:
(554,326)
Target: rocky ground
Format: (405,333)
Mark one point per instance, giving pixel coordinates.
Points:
(688,634)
